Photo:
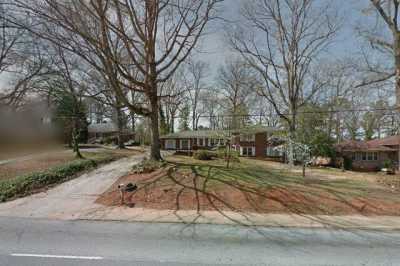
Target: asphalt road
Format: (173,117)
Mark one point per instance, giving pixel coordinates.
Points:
(49,242)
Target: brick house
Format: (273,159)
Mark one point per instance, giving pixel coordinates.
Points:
(250,142)
(371,155)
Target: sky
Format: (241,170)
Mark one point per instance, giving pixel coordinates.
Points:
(214,50)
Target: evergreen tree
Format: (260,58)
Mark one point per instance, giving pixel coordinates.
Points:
(184,118)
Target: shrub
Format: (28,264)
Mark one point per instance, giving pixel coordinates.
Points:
(204,155)
(110,140)
(388,164)
(148,166)
(348,163)
(26,184)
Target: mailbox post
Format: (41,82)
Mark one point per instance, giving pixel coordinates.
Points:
(126,188)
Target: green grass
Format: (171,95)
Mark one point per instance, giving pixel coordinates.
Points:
(28,183)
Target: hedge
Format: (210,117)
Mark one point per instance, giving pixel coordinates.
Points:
(26,184)
(204,155)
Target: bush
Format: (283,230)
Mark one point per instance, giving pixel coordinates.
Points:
(348,163)
(110,140)
(148,166)
(204,155)
(388,164)
(26,184)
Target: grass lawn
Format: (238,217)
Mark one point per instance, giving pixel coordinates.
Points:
(53,159)
(253,186)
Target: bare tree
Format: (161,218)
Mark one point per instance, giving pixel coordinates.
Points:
(194,83)
(154,37)
(173,98)
(237,81)
(282,40)
(99,90)
(213,98)
(10,37)
(388,10)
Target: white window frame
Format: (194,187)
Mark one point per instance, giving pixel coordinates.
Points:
(247,149)
(170,147)
(372,156)
(248,138)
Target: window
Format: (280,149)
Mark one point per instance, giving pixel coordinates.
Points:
(353,156)
(247,138)
(372,156)
(201,142)
(212,142)
(248,151)
(184,144)
(170,144)
(272,152)
(364,156)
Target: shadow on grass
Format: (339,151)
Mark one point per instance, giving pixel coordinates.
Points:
(245,189)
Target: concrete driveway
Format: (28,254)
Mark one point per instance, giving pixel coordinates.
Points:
(70,199)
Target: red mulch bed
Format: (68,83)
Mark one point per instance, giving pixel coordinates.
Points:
(162,192)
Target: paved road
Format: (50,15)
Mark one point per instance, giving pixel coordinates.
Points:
(26,241)
(70,199)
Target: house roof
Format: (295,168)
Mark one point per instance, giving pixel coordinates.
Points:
(102,128)
(105,128)
(371,145)
(218,133)
(388,141)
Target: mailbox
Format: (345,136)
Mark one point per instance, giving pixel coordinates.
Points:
(130,187)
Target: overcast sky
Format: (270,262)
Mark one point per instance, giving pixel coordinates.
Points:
(214,50)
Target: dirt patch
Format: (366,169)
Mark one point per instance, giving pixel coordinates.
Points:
(16,168)
(327,173)
(168,189)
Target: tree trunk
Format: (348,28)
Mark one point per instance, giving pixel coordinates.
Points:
(292,133)
(172,124)
(290,156)
(120,124)
(133,125)
(194,127)
(75,139)
(155,153)
(397,65)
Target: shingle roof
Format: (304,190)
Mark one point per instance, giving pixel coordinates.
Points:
(388,141)
(372,145)
(102,128)
(218,133)
(109,127)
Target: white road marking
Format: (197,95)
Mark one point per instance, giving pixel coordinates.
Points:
(56,256)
